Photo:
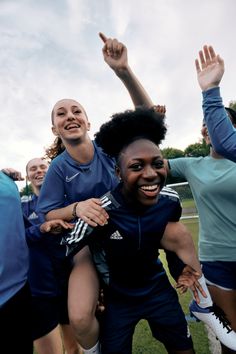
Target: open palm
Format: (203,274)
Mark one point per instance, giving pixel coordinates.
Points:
(209,67)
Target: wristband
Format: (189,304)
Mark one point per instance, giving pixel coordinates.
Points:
(74,210)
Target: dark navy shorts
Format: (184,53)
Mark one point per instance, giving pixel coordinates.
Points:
(47,313)
(220,273)
(162,311)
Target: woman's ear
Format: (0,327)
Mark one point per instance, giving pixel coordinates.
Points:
(27,179)
(54,131)
(88,126)
(117,170)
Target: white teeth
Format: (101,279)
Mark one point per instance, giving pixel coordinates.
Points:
(72,126)
(149,188)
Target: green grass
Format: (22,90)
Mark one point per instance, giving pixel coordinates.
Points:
(188,203)
(144,343)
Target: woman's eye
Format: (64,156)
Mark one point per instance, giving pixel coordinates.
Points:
(159,164)
(136,167)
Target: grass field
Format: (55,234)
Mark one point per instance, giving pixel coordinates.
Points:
(188,203)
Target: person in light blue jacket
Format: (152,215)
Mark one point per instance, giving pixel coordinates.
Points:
(212,180)
(15,307)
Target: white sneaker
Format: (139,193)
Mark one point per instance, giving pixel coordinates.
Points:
(215,318)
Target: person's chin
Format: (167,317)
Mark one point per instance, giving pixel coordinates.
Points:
(39,184)
(148,201)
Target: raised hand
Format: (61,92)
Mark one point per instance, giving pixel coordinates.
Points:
(114,53)
(209,67)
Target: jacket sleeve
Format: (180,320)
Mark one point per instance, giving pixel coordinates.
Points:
(32,231)
(220,128)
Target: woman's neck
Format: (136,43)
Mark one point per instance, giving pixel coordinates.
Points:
(82,152)
(36,190)
(214,154)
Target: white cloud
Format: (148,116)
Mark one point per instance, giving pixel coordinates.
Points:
(51,50)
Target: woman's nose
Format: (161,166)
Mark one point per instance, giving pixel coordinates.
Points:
(149,172)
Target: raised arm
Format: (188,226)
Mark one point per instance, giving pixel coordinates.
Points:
(210,70)
(115,55)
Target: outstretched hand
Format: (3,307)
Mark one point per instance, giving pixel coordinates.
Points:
(209,67)
(55,226)
(189,279)
(114,53)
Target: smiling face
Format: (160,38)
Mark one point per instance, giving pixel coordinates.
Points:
(141,168)
(69,121)
(36,170)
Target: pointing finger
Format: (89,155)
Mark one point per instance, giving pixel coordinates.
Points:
(103,37)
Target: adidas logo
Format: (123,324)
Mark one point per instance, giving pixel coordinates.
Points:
(33,216)
(116,236)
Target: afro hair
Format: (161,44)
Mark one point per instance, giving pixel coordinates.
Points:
(125,127)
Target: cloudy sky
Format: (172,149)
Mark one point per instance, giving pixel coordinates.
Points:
(51,50)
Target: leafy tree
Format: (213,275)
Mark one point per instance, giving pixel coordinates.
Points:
(197,149)
(172,153)
(27,190)
(232,104)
